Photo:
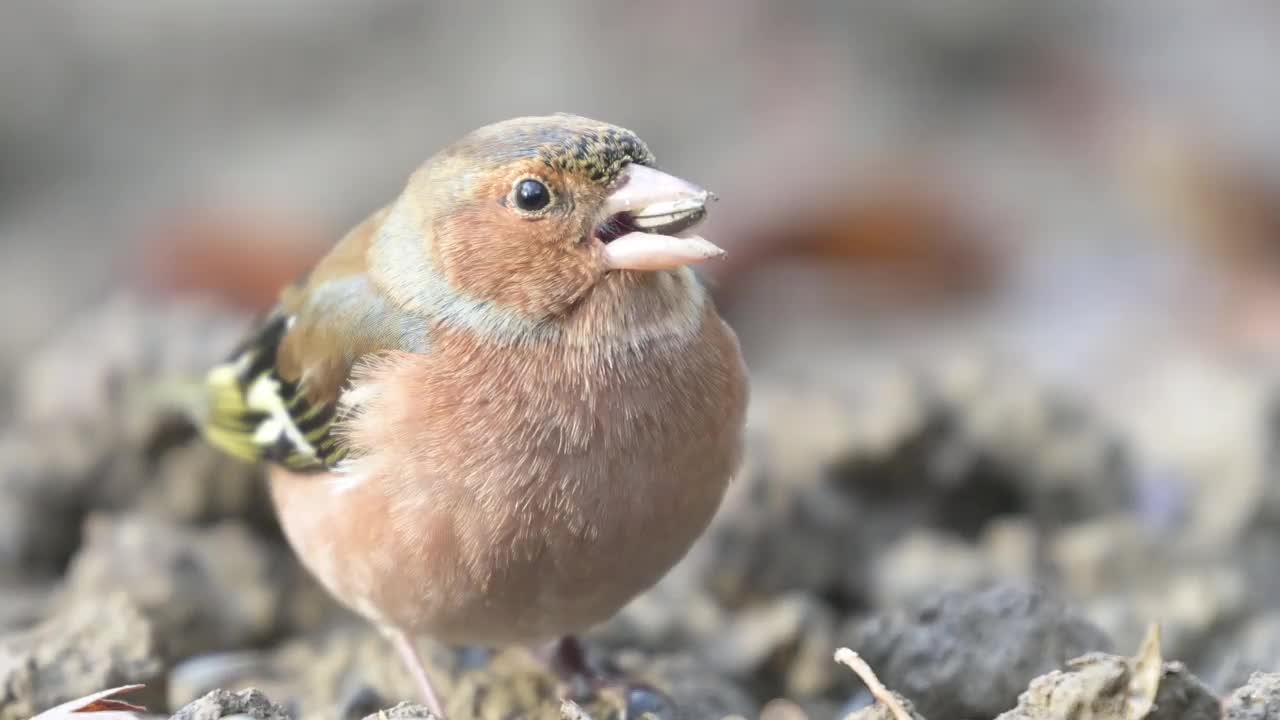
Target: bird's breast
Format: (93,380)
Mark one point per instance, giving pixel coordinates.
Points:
(509,492)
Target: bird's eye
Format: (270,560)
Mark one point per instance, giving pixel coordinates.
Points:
(532,195)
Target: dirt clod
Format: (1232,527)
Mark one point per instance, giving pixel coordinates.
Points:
(204,589)
(224,704)
(1259,699)
(970,654)
(93,644)
(1105,687)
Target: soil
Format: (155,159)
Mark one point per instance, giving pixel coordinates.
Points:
(986,544)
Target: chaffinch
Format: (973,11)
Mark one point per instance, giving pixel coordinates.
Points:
(503,405)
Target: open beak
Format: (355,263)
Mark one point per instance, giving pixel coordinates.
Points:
(648,222)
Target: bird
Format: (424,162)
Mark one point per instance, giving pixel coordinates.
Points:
(504,404)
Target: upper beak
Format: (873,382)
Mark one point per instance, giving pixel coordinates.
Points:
(658,209)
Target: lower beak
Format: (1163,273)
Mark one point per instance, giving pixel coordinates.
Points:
(657,211)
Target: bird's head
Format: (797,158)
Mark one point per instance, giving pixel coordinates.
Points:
(532,214)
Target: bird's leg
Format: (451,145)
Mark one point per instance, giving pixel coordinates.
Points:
(568,660)
(409,654)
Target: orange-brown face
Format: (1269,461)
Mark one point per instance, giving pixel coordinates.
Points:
(523,239)
(523,212)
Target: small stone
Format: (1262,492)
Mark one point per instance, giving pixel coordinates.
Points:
(195,676)
(226,704)
(1098,686)
(1259,699)
(403,711)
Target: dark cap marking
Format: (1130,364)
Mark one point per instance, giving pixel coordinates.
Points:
(569,143)
(598,154)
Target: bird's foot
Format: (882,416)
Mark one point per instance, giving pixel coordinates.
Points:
(567,659)
(579,680)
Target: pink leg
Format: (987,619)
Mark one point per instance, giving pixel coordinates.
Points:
(409,653)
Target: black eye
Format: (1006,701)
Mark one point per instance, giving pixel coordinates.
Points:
(532,195)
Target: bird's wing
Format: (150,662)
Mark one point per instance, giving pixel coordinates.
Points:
(278,397)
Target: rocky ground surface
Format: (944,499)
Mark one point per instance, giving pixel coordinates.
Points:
(989,546)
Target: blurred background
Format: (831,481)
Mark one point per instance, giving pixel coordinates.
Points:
(991,262)
(1064,178)
(1067,181)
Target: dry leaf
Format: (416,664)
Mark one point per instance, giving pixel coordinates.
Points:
(103,701)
